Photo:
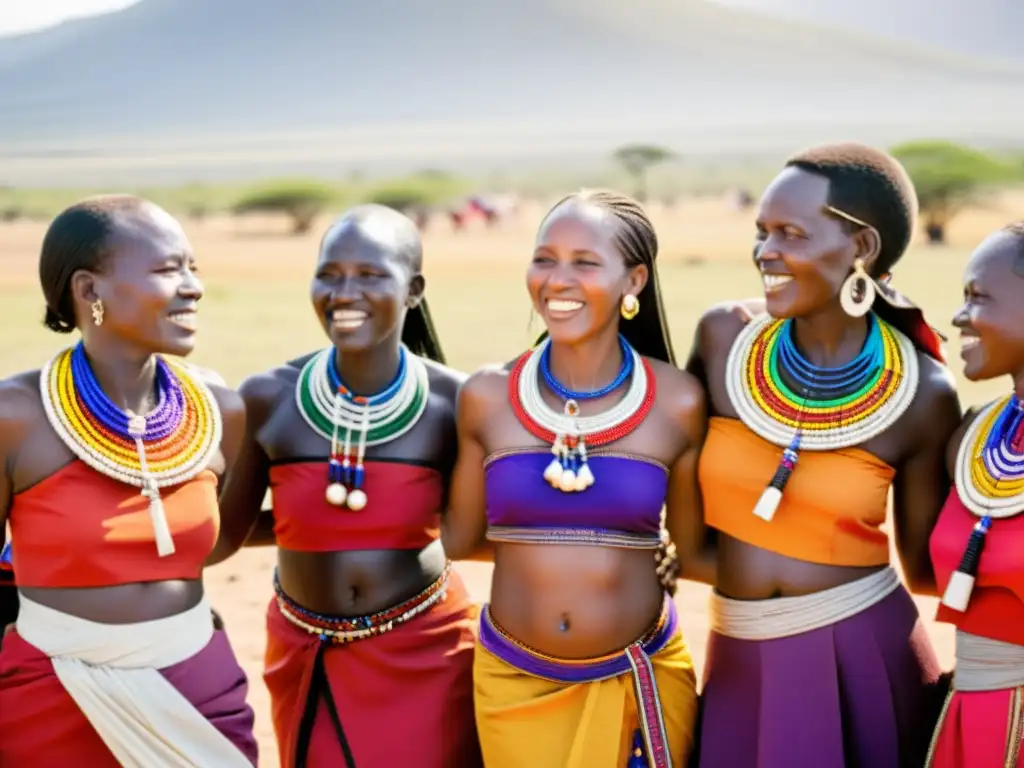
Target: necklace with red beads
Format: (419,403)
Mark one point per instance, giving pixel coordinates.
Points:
(569,432)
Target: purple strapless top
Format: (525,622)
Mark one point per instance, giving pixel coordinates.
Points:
(627,495)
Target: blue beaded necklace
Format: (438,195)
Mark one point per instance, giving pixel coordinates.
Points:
(828,385)
(800,381)
(625,370)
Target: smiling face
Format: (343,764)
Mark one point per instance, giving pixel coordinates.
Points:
(578,275)
(148,284)
(803,252)
(362,286)
(991,320)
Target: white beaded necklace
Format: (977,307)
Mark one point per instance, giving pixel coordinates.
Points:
(834,436)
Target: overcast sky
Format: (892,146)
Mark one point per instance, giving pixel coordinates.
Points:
(17,16)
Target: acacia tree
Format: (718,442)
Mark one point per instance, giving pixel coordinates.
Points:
(948,177)
(637,159)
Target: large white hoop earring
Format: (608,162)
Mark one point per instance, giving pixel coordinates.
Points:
(858,291)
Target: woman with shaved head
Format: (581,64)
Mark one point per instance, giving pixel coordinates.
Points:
(824,396)
(111,456)
(370,637)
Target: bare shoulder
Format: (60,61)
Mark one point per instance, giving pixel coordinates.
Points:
(444,381)
(481,393)
(721,323)
(261,392)
(680,395)
(935,411)
(936,389)
(21,407)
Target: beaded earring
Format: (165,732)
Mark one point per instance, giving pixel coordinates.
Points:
(630,306)
(858,291)
(97,312)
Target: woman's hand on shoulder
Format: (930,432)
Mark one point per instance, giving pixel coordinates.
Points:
(717,328)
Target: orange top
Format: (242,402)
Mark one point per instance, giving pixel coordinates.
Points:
(996,608)
(831,511)
(79,528)
(403,509)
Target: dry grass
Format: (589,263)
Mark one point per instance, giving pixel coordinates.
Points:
(256,314)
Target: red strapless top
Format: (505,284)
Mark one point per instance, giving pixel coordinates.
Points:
(996,609)
(403,509)
(79,528)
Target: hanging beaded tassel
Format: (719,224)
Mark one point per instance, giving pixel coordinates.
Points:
(989,479)
(852,403)
(169,446)
(161,531)
(961,584)
(330,408)
(768,504)
(568,470)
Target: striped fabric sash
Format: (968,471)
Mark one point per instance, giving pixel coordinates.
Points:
(634,659)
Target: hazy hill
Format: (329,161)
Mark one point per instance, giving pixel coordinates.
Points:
(337,81)
(990,28)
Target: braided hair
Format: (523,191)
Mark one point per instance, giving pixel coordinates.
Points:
(638,243)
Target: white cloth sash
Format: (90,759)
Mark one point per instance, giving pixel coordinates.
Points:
(111,672)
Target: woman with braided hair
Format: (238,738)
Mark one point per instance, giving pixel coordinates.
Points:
(824,396)
(566,459)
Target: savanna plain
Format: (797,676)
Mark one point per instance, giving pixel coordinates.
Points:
(256,314)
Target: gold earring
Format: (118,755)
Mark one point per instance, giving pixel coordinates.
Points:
(97,312)
(630,306)
(858,291)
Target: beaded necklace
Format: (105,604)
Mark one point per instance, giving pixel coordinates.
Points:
(568,432)
(330,407)
(790,402)
(170,445)
(989,477)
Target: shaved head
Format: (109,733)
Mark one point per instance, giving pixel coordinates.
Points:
(385,228)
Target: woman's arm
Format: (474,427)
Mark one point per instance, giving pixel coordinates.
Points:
(245,485)
(686,404)
(922,481)
(464,523)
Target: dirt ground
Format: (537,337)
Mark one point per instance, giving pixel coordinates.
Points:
(256,314)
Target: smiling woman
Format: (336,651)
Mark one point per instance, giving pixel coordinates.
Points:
(369,626)
(111,456)
(977,542)
(825,395)
(567,458)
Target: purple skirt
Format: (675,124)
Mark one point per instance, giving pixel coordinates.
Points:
(861,693)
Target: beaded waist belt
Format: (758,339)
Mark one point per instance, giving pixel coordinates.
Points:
(596,537)
(336,629)
(634,659)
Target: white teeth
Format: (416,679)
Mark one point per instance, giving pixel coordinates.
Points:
(184,319)
(563,305)
(347,319)
(775,282)
(969,341)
